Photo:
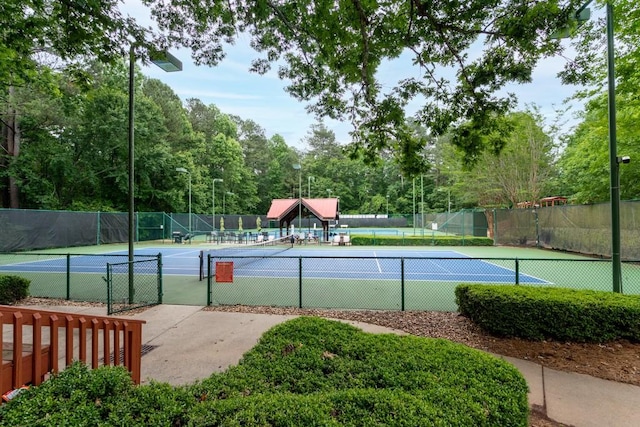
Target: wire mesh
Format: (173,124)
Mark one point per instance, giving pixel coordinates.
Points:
(75,277)
(584,229)
(245,254)
(398,283)
(126,292)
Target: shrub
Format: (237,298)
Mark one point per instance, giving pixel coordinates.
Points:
(563,314)
(79,396)
(13,289)
(343,376)
(385,240)
(307,371)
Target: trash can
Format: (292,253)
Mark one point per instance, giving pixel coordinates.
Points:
(177,237)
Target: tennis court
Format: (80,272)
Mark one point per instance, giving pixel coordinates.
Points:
(373,264)
(179,261)
(317,276)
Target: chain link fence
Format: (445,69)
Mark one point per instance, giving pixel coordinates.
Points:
(584,229)
(392,283)
(134,284)
(80,277)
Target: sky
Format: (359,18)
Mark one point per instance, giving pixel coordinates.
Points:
(262,98)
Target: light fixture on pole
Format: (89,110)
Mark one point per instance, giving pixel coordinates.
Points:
(309,178)
(298,167)
(183,170)
(329,192)
(213,201)
(168,63)
(580,16)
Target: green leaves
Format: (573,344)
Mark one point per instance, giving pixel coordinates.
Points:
(563,314)
(307,371)
(331,54)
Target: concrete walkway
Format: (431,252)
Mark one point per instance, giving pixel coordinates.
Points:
(183,344)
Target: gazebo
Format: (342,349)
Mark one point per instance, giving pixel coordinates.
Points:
(285,211)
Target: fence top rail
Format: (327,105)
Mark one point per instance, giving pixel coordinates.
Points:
(210,256)
(140,261)
(59,255)
(8,313)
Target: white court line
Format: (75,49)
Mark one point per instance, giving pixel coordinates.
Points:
(377,262)
(433,261)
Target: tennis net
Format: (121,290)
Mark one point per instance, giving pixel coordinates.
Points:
(244,254)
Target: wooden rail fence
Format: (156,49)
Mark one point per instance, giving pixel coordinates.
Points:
(35,343)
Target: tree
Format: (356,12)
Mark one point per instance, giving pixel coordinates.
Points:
(519,173)
(584,165)
(330,53)
(585,161)
(256,151)
(62,33)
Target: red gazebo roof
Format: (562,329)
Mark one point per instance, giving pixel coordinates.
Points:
(323,209)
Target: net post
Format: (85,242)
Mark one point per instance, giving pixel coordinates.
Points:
(300,282)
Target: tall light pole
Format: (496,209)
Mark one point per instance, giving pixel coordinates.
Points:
(309,178)
(168,63)
(298,167)
(183,170)
(613,158)
(213,201)
(581,15)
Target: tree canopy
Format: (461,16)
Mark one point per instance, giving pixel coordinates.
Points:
(330,52)
(64,106)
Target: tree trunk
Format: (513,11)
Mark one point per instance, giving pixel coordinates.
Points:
(11,145)
(489,214)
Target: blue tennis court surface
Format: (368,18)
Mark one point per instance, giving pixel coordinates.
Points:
(182,261)
(345,263)
(377,265)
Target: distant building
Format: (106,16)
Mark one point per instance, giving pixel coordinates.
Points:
(544,202)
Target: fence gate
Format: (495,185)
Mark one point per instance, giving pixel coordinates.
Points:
(141,288)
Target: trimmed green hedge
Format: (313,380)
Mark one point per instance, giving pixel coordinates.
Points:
(105,396)
(385,240)
(335,374)
(304,372)
(13,289)
(537,313)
